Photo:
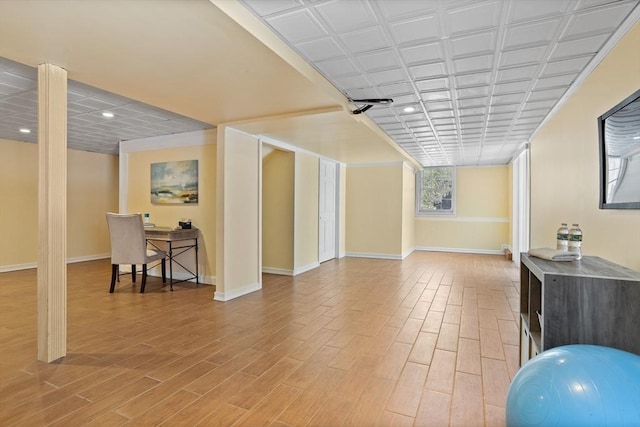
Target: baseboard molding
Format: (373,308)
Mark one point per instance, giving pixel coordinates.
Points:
(305,268)
(18,267)
(87,258)
(236,293)
(30,265)
(460,250)
(407,253)
(375,256)
(279,271)
(181,276)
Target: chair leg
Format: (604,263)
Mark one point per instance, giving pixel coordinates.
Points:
(144,278)
(114,275)
(133,273)
(164,270)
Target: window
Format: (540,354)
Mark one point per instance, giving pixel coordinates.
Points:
(435,189)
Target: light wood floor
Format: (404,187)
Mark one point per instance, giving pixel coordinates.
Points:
(431,340)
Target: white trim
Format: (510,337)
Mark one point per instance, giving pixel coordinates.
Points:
(18,267)
(376,256)
(622,30)
(296,187)
(418,194)
(278,271)
(288,147)
(305,268)
(460,250)
(259,216)
(207,280)
(342,254)
(222,296)
(123,183)
(30,265)
(338,195)
(523,148)
(370,165)
(411,168)
(176,140)
(461,218)
(86,258)
(407,253)
(179,275)
(478,166)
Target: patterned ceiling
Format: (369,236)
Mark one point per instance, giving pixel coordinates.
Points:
(481,76)
(87,128)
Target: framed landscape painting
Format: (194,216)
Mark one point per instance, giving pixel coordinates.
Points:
(174,182)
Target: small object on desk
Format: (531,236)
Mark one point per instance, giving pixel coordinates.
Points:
(553,254)
(185,224)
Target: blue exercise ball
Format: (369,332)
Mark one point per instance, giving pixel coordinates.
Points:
(576,385)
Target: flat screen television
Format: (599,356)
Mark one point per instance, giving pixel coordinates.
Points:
(619,134)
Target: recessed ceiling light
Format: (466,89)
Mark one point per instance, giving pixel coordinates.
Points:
(25,130)
(636,137)
(107,114)
(409,109)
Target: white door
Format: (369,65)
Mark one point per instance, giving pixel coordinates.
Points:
(520,220)
(327,207)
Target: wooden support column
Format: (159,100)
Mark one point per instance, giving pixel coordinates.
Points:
(52,212)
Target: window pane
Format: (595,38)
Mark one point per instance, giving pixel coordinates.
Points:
(436,188)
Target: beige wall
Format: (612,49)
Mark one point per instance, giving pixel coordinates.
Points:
(19,206)
(92,190)
(565,168)
(278,173)
(374,211)
(306,211)
(481,223)
(202,214)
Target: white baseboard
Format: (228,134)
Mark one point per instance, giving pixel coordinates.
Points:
(18,267)
(227,296)
(305,268)
(30,265)
(407,253)
(460,250)
(279,271)
(181,276)
(87,258)
(375,256)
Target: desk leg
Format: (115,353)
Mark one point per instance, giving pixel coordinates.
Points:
(197,276)
(170,266)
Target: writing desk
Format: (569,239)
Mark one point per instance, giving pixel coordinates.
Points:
(186,240)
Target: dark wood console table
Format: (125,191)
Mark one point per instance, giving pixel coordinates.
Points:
(591,301)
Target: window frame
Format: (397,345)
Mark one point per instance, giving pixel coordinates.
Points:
(447,212)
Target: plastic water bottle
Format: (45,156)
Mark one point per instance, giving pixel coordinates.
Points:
(563,238)
(575,240)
